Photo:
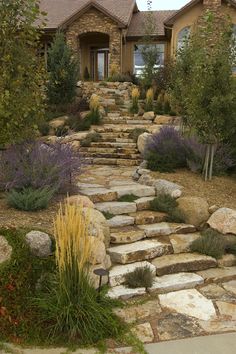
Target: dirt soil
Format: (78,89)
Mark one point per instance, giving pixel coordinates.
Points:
(221,191)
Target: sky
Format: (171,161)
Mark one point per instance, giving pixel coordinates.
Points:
(162,4)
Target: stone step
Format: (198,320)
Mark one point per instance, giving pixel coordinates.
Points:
(165,228)
(148,217)
(136,189)
(117,273)
(124,293)
(121,221)
(174,282)
(115,162)
(112,136)
(99,195)
(116,208)
(125,128)
(115,144)
(143,203)
(125,120)
(183,262)
(126,235)
(109,150)
(107,155)
(218,274)
(139,251)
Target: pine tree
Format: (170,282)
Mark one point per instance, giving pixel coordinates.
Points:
(63,72)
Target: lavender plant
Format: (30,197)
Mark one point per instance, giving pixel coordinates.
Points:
(38,165)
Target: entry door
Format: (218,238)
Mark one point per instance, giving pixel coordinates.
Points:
(100,64)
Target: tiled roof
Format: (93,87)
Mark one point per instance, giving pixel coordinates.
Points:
(137,25)
(59,11)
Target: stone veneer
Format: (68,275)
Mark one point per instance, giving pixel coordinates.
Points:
(95,21)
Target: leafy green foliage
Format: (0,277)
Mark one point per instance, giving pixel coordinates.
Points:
(134,134)
(18,281)
(63,72)
(210,243)
(44,128)
(164,203)
(129,198)
(141,277)
(22,73)
(108,215)
(175,215)
(30,199)
(91,138)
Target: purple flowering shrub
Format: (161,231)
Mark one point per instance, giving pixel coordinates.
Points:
(165,150)
(168,150)
(37,165)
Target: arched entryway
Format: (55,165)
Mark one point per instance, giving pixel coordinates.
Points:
(94,55)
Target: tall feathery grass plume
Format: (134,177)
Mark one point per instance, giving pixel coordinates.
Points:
(94,105)
(135,94)
(149,100)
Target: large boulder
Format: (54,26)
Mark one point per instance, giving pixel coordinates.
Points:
(142,141)
(194,209)
(224,221)
(5,250)
(40,243)
(80,200)
(99,226)
(58,122)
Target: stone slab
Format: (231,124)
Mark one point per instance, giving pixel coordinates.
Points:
(98,195)
(5,250)
(190,303)
(181,243)
(143,332)
(117,273)
(139,312)
(173,282)
(116,208)
(121,292)
(143,203)
(121,220)
(136,189)
(183,262)
(227,309)
(148,217)
(127,236)
(228,260)
(218,274)
(138,251)
(230,286)
(164,228)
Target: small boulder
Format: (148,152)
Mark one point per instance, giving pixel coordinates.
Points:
(40,243)
(142,141)
(5,250)
(99,226)
(194,209)
(163,120)
(80,200)
(224,221)
(149,115)
(58,122)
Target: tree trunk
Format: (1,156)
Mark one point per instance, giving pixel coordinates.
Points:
(212,154)
(206,164)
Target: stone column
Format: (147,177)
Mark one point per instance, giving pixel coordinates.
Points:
(115,50)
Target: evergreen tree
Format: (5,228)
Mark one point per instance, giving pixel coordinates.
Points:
(21,70)
(63,72)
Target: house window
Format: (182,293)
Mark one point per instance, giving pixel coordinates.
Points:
(183,36)
(138,57)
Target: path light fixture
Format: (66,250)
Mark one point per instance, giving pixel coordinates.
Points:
(101,273)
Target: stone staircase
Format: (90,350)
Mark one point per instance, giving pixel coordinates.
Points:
(141,237)
(116,147)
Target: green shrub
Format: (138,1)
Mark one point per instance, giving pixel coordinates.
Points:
(74,122)
(108,215)
(30,199)
(91,138)
(61,131)
(231,248)
(210,243)
(141,277)
(134,108)
(129,198)
(164,203)
(44,128)
(176,216)
(135,134)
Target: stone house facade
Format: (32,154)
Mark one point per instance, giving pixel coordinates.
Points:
(108,35)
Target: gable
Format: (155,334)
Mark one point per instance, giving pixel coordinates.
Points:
(59,12)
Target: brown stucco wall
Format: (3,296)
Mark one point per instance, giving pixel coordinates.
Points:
(95,21)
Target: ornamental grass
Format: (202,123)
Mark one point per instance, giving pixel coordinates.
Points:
(71,308)
(135,94)
(149,100)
